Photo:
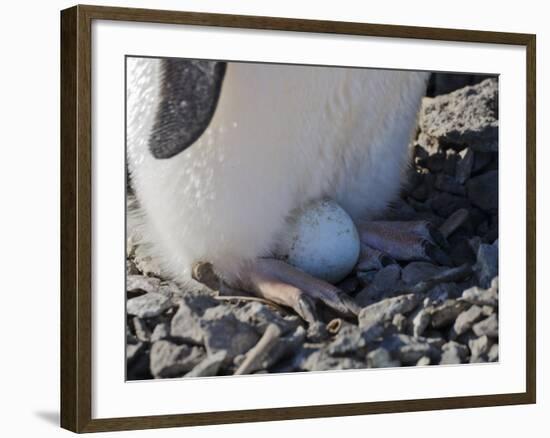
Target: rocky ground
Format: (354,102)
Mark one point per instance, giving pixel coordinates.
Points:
(431,312)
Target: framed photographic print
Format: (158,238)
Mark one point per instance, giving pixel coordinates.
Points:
(268,218)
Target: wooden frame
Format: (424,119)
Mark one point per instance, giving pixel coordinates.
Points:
(76,168)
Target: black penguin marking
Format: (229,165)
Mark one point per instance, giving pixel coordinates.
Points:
(189,95)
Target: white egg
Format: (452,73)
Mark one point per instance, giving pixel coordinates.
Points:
(322,240)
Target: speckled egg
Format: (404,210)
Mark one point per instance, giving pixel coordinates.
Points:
(322,240)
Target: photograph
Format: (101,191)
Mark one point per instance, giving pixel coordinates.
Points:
(285,218)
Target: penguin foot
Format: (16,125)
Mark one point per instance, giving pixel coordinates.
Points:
(277,281)
(404,241)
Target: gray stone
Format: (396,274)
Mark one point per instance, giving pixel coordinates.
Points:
(492,355)
(224,332)
(142,330)
(442,292)
(161,331)
(286,346)
(148,305)
(385,280)
(171,360)
(446,313)
(261,315)
(209,366)
(416,272)
(466,117)
(131,268)
(133,351)
(423,361)
(488,326)
(449,184)
(464,165)
(386,309)
(407,349)
(483,190)
(321,360)
(186,322)
(453,353)
(479,348)
(381,358)
(399,321)
(486,267)
(481,297)
(141,283)
(467,319)
(350,340)
(420,320)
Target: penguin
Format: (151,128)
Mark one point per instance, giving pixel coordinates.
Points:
(220,154)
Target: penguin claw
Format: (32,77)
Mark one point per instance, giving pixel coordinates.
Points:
(279,282)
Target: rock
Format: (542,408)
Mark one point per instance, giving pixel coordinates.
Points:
(171,360)
(386,309)
(131,268)
(423,361)
(449,184)
(209,366)
(420,321)
(442,292)
(349,341)
(492,355)
(387,279)
(447,312)
(486,267)
(137,362)
(453,353)
(224,332)
(479,348)
(141,283)
(453,222)
(261,315)
(416,272)
(161,331)
(286,346)
(464,166)
(466,117)
(445,204)
(186,322)
(488,326)
(483,191)
(399,321)
(142,331)
(133,351)
(320,360)
(381,358)
(466,319)
(407,349)
(148,305)
(481,297)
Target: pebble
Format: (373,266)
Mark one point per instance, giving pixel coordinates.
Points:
(447,313)
(142,283)
(453,353)
(386,309)
(479,348)
(148,305)
(171,360)
(488,326)
(381,358)
(224,332)
(466,319)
